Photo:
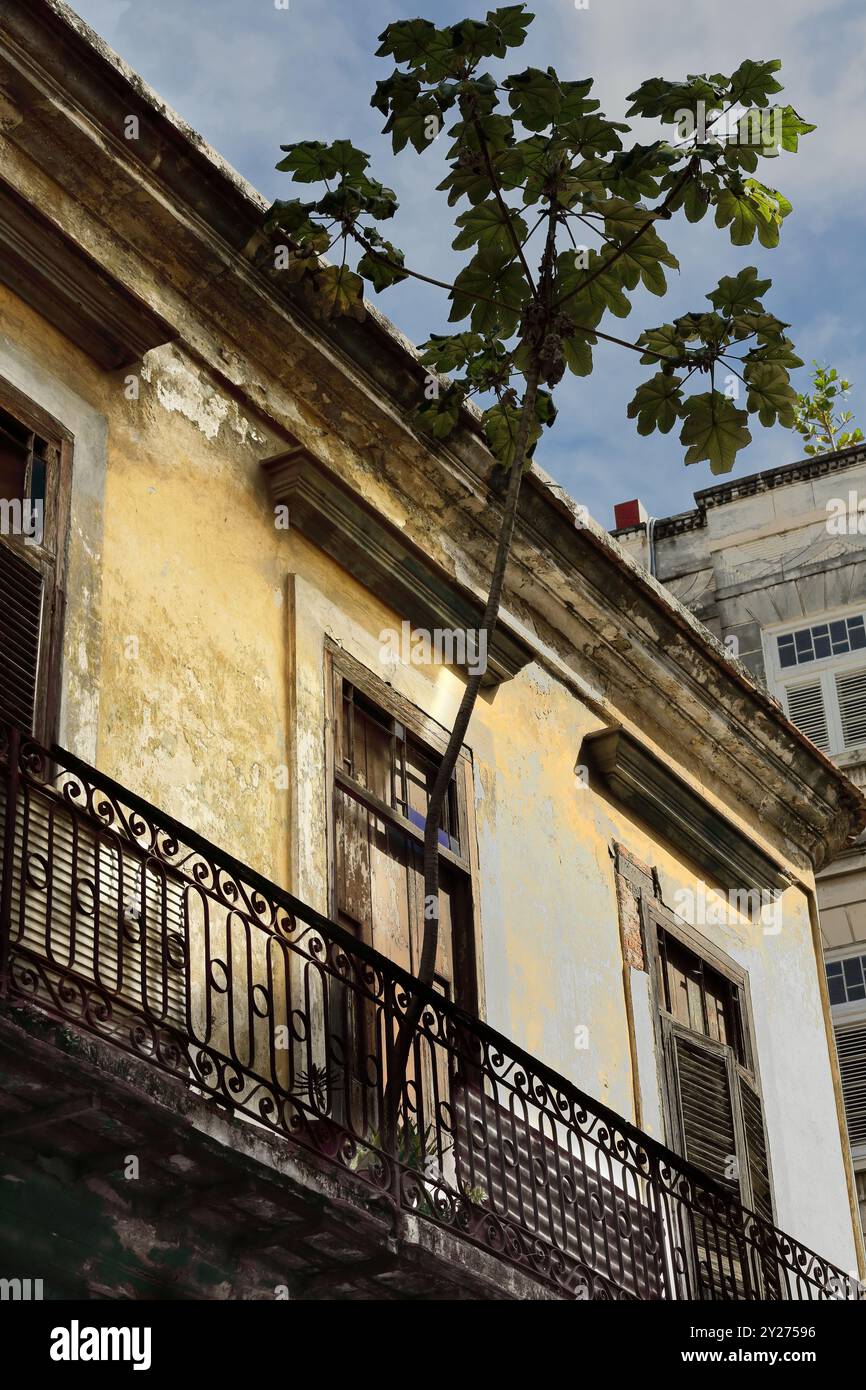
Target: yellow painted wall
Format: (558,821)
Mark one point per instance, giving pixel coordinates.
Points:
(203,612)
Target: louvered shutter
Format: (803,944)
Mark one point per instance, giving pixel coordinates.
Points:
(706,1110)
(806,710)
(851,694)
(760,1198)
(21,603)
(851,1049)
(97,910)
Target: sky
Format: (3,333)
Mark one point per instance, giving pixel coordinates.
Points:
(251,75)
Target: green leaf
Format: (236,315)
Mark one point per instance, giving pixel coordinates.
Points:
(665,341)
(714,429)
(578,354)
(770,393)
(739,293)
(587,293)
(645,257)
(657,403)
(668,100)
(793,126)
(634,173)
(441,416)
(779,350)
(292,217)
(448,351)
(289,214)
(512,21)
(737,210)
(396,92)
(695,201)
(341,291)
(310,161)
(380,274)
(417,124)
(535,97)
(593,134)
(491,291)
(420,45)
(501,423)
(753,83)
(545,410)
(486,225)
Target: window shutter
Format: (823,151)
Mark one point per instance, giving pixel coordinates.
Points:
(705,1105)
(806,710)
(851,694)
(851,1049)
(21,595)
(760,1197)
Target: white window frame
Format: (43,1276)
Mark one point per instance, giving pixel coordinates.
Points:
(853,1010)
(824,671)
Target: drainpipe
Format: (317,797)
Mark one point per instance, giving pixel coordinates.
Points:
(651,542)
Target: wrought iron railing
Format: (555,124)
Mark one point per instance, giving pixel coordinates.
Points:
(120,921)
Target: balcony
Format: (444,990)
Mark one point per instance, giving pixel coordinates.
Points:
(131,935)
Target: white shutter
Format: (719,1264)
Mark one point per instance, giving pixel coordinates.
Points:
(806,710)
(851,694)
(851,1049)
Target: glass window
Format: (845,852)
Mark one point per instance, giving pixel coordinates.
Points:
(835,982)
(846,980)
(820,641)
(697,996)
(787,654)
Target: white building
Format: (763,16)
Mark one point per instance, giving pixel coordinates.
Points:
(775,565)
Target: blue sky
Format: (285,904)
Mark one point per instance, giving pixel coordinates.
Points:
(250,76)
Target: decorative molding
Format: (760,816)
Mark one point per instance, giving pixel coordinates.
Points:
(382,558)
(45,268)
(646,785)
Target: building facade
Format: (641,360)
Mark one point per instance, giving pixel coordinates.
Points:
(775,565)
(234,583)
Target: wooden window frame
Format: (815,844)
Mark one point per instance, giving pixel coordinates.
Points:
(50,557)
(433,738)
(654,917)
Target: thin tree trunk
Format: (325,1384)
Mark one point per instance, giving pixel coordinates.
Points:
(397,1063)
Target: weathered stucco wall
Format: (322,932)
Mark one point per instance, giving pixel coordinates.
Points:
(194,674)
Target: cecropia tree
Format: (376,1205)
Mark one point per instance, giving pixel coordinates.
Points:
(560,221)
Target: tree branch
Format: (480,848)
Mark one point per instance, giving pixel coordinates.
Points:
(627,245)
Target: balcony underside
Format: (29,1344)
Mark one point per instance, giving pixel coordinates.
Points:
(220,1209)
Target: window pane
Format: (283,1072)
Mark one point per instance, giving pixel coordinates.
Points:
(697,996)
(37,479)
(822,646)
(13,470)
(836,988)
(857,633)
(839,634)
(853,971)
(787,654)
(803,643)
